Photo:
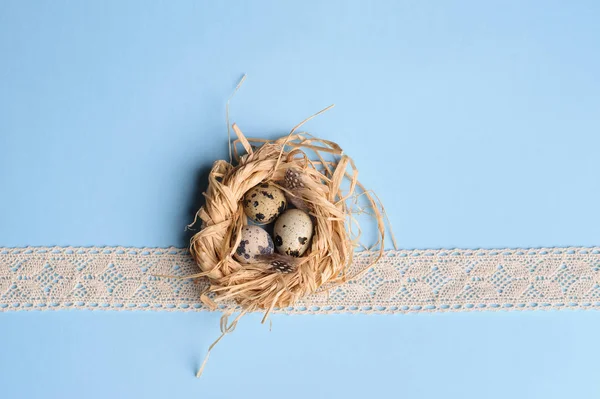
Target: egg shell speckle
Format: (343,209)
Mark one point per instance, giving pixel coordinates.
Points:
(264,203)
(254,242)
(293,232)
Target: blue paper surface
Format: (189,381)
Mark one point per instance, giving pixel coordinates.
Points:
(477,123)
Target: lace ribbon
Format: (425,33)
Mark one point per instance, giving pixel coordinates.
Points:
(119,278)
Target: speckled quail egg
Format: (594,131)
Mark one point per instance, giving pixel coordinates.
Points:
(293,232)
(254,242)
(264,203)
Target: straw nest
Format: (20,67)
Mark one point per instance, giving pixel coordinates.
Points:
(329,192)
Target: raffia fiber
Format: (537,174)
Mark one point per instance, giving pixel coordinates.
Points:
(330,193)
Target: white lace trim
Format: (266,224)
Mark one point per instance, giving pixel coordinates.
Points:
(120,278)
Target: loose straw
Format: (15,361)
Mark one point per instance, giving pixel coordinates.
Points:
(227,115)
(225,329)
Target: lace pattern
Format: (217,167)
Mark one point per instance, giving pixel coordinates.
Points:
(120,278)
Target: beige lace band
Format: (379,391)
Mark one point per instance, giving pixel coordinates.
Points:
(120,278)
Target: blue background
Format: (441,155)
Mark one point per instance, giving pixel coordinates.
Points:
(476,122)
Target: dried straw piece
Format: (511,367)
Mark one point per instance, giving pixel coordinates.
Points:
(317,184)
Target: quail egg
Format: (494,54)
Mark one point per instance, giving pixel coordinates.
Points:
(254,242)
(264,203)
(293,231)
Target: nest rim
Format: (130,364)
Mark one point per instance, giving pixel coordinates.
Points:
(330,254)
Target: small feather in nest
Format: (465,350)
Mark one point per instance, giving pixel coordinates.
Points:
(294,184)
(293,179)
(280,263)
